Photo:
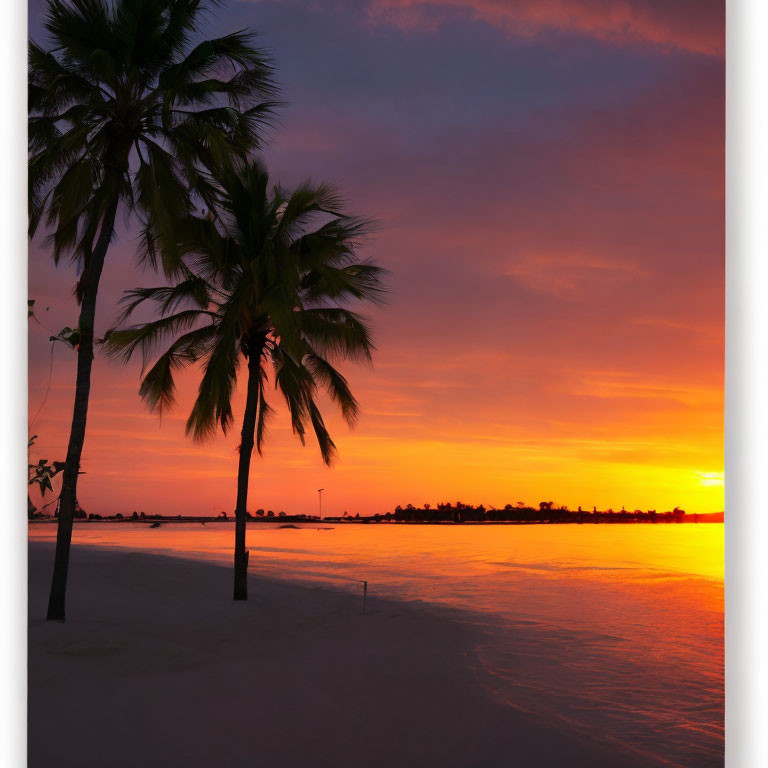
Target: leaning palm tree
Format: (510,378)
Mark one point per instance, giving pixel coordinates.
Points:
(129,107)
(266,279)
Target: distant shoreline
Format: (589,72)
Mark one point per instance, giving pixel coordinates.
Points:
(287,520)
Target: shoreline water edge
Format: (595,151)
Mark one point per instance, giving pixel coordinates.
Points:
(165,670)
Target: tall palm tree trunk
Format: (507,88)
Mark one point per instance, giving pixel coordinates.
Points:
(243,470)
(88,288)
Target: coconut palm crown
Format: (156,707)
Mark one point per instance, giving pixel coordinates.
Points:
(130,104)
(266,279)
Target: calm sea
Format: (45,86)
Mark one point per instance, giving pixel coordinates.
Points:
(614,630)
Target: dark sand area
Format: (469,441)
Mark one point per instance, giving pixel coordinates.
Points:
(156,666)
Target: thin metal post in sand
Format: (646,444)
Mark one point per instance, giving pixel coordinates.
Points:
(365,594)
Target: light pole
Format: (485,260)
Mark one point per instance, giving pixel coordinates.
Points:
(320,501)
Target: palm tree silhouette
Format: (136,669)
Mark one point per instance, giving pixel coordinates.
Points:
(129,107)
(265,279)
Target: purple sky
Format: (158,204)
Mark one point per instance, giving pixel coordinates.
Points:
(549,183)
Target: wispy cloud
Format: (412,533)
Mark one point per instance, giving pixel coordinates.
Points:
(690,25)
(567,275)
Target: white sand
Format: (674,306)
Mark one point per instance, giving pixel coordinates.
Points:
(156,666)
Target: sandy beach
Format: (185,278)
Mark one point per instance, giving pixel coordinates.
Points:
(156,666)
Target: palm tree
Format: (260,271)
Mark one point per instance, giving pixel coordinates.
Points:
(128,108)
(266,279)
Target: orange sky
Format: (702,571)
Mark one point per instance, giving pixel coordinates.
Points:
(551,208)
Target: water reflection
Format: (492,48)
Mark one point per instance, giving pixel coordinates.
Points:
(615,630)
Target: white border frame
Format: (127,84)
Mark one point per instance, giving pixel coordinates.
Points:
(746,398)
(746,385)
(13,384)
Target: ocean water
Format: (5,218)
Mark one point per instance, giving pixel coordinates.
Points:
(614,631)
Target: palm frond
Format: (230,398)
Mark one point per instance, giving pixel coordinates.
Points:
(158,388)
(123,343)
(359,282)
(79,27)
(194,291)
(213,405)
(292,382)
(336,333)
(236,50)
(305,203)
(336,385)
(326,445)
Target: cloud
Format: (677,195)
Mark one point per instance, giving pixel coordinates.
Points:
(566,275)
(690,25)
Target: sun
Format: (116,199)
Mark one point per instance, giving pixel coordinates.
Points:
(710,479)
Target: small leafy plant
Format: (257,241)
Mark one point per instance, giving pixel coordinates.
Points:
(41,474)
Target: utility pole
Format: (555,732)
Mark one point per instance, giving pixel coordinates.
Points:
(320,501)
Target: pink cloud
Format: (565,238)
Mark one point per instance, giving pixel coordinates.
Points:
(567,274)
(691,25)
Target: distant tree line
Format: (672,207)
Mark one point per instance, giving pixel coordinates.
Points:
(546,512)
(457,512)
